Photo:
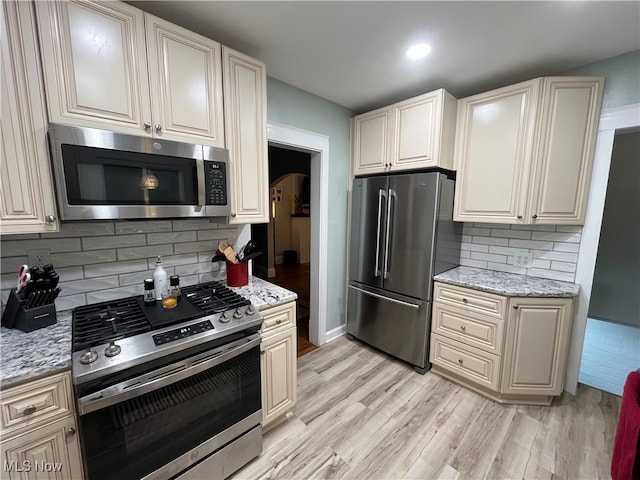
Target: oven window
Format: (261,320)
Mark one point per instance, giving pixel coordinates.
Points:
(96,176)
(134,438)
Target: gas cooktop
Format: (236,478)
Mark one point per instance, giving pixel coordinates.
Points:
(114,335)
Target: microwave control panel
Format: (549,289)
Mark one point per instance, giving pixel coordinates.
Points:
(216,182)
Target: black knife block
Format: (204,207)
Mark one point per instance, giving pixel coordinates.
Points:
(16,315)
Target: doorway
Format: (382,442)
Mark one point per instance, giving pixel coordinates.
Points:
(612,335)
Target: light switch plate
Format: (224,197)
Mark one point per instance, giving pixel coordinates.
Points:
(522,259)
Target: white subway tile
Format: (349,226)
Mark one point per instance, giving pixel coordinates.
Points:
(466,230)
(466,238)
(195,247)
(569,228)
(507,250)
(491,225)
(170,237)
(557,236)
(189,280)
(84,286)
(82,229)
(566,247)
(230,235)
(194,224)
(194,269)
(12,264)
(70,273)
(521,234)
(563,266)
(542,264)
(557,256)
(503,267)
(465,254)
(143,226)
(138,278)
(71,301)
(474,248)
(9,280)
(175,260)
(540,228)
(114,241)
(551,274)
(22,236)
(144,252)
(113,294)
(491,241)
(55,245)
(116,268)
(537,244)
(467,262)
(82,258)
(213,276)
(488,257)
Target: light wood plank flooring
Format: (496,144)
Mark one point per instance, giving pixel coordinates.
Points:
(364,415)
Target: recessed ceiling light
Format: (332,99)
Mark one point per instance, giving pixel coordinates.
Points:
(419,50)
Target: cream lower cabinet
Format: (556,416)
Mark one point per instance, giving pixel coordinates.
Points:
(512,349)
(245,110)
(26,188)
(112,66)
(524,153)
(415,133)
(39,430)
(278,363)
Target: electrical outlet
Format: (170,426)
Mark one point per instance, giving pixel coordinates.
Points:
(522,259)
(38,258)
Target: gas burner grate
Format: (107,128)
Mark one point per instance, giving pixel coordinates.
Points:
(213,297)
(91,328)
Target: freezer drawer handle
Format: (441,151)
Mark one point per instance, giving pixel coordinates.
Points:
(381,194)
(392,300)
(392,195)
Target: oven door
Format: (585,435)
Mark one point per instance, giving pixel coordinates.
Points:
(159,424)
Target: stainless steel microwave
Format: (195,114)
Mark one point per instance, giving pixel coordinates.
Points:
(100,175)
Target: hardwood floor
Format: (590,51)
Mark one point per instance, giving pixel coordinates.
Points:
(296,279)
(364,415)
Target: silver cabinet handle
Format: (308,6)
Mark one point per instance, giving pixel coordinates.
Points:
(278,321)
(147,125)
(30,410)
(534,216)
(50,218)
(464,300)
(519,217)
(158,127)
(233,215)
(463,328)
(515,307)
(70,432)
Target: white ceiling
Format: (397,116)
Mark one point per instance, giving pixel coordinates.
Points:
(352,53)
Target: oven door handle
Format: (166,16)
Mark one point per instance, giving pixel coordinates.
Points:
(164,376)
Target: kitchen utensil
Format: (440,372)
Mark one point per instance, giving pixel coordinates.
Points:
(218,257)
(250,247)
(251,256)
(222,246)
(230,254)
(22,270)
(22,281)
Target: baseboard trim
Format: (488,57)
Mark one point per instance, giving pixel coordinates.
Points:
(336,333)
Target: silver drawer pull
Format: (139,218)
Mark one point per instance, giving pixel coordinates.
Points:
(278,321)
(70,432)
(30,410)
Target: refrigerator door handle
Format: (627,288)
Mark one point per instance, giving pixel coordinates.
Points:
(382,297)
(381,194)
(392,195)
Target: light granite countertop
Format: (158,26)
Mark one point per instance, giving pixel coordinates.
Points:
(27,356)
(507,284)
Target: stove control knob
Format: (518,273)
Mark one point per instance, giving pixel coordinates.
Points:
(112,350)
(224,318)
(250,310)
(89,356)
(238,314)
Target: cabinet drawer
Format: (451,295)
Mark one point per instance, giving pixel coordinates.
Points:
(481,331)
(278,317)
(35,403)
(471,363)
(471,300)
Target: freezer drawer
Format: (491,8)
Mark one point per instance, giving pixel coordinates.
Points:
(396,325)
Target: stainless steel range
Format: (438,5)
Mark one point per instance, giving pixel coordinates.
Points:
(168,393)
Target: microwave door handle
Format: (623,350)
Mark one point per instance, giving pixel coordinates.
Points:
(202,197)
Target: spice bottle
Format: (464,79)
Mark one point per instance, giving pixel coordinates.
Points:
(149,293)
(160,279)
(174,285)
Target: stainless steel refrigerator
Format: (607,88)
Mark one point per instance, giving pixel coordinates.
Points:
(402,234)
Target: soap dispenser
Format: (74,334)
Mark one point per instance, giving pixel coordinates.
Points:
(159,279)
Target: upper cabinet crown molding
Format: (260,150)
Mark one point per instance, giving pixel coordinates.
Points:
(26,188)
(109,65)
(524,153)
(415,133)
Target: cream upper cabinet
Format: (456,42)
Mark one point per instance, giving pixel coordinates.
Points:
(524,152)
(26,187)
(245,100)
(109,65)
(415,133)
(536,346)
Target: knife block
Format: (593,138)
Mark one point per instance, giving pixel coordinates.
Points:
(16,315)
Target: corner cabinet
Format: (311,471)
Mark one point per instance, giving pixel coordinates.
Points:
(415,133)
(524,153)
(278,363)
(26,188)
(111,66)
(511,349)
(245,100)
(39,431)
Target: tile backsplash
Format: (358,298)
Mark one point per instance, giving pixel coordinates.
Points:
(492,246)
(99,261)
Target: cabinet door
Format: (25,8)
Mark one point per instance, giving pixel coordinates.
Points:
(49,452)
(95,65)
(493,153)
(26,189)
(371,133)
(245,112)
(536,346)
(423,131)
(185,75)
(565,148)
(279,374)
